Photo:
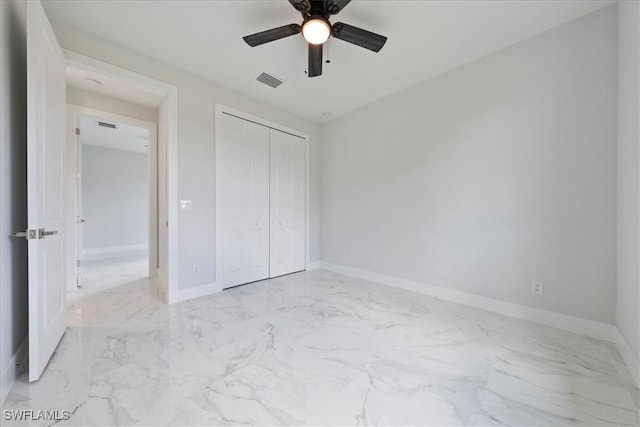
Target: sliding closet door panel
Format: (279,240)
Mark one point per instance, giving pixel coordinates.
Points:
(242,173)
(288,202)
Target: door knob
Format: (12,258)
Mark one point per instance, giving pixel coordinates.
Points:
(32,234)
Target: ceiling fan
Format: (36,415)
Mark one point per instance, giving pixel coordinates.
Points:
(316,30)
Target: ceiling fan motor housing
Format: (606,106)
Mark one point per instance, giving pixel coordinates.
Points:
(317,8)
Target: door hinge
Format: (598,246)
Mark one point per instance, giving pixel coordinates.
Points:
(77,131)
(78,263)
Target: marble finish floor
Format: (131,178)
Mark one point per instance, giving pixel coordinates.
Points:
(318,348)
(100,272)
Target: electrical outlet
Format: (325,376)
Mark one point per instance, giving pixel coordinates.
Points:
(537,288)
(196,269)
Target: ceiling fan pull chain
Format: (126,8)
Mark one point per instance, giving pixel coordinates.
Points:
(326,45)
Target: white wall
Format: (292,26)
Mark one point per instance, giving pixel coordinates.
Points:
(628,287)
(115,198)
(13,187)
(488,177)
(196,110)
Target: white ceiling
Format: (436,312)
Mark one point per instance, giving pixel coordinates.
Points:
(78,78)
(426,38)
(124,137)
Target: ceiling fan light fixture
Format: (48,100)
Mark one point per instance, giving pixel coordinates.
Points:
(316,30)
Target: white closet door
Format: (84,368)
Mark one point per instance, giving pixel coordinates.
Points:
(242,185)
(288,176)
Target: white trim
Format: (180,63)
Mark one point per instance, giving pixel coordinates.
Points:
(574,324)
(170,104)
(114,249)
(71,183)
(196,292)
(82,110)
(223,109)
(11,372)
(313,265)
(308,262)
(630,358)
(171,107)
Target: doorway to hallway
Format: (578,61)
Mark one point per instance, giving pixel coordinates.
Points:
(116,216)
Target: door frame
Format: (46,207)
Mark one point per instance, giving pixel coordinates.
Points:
(167,132)
(74,147)
(221,109)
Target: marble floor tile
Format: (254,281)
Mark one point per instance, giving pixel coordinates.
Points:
(104,271)
(318,348)
(625,375)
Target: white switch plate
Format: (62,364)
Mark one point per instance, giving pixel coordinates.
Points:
(185,205)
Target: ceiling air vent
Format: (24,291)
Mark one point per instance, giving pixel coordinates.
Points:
(269,80)
(107,125)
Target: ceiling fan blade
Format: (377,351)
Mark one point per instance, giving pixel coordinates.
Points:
(335,6)
(315,60)
(301,5)
(271,35)
(358,36)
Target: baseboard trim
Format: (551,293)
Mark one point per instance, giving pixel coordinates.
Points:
(11,372)
(194,292)
(574,324)
(114,250)
(313,265)
(630,358)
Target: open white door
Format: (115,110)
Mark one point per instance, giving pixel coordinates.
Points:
(46,85)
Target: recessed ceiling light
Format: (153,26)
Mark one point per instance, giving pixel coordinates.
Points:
(327,114)
(94,82)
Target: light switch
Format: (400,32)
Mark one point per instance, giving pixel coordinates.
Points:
(185,205)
